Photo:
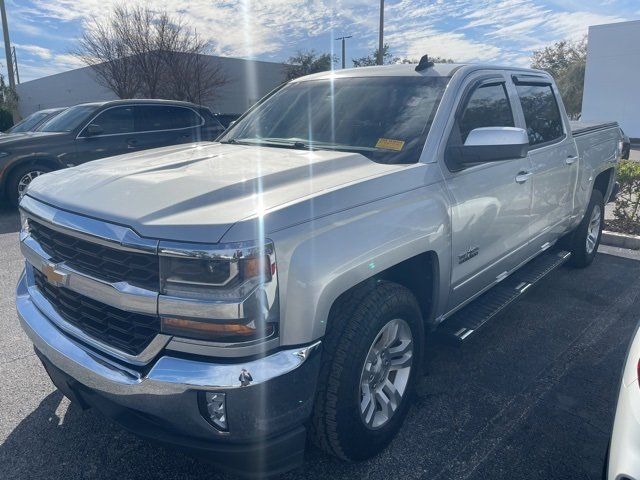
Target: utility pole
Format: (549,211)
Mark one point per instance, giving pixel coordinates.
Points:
(7,45)
(344,49)
(381,34)
(15,64)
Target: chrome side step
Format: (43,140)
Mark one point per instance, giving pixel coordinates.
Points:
(468,320)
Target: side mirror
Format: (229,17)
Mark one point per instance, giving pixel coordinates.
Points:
(489,144)
(94,129)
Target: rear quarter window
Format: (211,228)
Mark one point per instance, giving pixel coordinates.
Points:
(541,113)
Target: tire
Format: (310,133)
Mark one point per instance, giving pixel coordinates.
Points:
(338,426)
(15,183)
(586,237)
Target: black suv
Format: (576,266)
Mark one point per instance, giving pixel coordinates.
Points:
(96,130)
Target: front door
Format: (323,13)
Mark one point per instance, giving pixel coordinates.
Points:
(106,135)
(490,211)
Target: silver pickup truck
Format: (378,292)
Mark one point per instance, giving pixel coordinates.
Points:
(240,296)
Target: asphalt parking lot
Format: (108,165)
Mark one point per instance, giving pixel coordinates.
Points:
(531,397)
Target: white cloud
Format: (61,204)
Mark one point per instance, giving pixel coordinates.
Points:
(504,31)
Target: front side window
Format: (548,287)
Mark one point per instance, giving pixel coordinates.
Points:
(488,106)
(541,113)
(115,120)
(386,119)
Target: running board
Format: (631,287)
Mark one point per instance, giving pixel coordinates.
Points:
(468,320)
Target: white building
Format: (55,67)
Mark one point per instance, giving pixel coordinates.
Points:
(613,75)
(249,80)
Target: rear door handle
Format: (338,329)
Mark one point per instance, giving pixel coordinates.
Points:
(132,143)
(570,160)
(523,177)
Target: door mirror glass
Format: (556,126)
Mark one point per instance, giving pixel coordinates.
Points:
(94,129)
(490,144)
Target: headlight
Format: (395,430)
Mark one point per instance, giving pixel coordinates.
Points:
(4,154)
(241,278)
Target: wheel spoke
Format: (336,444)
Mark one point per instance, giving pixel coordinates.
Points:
(368,406)
(401,355)
(391,334)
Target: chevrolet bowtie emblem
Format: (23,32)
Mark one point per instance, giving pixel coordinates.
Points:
(54,276)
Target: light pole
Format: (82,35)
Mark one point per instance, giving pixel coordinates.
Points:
(381,34)
(344,49)
(7,46)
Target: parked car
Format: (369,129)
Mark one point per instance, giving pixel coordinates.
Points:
(96,130)
(626,146)
(623,456)
(226,119)
(35,120)
(240,296)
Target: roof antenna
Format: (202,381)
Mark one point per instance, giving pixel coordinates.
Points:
(424,63)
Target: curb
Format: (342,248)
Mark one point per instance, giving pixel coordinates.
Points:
(621,240)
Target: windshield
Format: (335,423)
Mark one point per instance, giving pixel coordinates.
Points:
(27,124)
(385,119)
(69,120)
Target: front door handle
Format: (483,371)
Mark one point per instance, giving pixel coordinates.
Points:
(570,160)
(132,143)
(523,177)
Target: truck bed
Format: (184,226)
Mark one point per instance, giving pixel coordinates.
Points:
(582,128)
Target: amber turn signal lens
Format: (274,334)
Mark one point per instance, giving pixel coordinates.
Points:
(257,266)
(211,331)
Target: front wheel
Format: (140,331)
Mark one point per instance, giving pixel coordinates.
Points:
(20,180)
(586,237)
(370,366)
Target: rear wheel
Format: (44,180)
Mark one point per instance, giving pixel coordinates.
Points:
(586,237)
(20,180)
(371,359)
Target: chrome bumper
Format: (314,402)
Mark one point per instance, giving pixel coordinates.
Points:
(169,389)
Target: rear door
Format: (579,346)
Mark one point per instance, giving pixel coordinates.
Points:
(162,125)
(114,124)
(553,157)
(490,209)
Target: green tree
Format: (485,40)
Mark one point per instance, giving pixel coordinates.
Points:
(372,59)
(306,62)
(388,58)
(566,62)
(8,105)
(432,59)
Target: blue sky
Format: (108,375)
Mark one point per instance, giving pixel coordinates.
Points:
(504,31)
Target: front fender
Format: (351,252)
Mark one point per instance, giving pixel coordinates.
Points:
(320,260)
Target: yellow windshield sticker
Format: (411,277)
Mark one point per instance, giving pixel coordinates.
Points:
(389,144)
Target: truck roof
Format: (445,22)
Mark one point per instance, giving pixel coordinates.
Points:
(408,70)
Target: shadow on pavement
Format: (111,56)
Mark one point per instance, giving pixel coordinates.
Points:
(9,218)
(532,397)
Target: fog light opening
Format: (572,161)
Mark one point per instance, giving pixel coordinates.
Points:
(215,410)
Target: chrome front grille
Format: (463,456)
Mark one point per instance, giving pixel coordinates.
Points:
(102,262)
(128,332)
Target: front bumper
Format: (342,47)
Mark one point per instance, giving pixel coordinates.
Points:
(265,418)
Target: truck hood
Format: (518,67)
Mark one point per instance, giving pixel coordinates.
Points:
(199,191)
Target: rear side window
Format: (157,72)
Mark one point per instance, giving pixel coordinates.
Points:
(185,118)
(541,113)
(160,117)
(115,120)
(488,106)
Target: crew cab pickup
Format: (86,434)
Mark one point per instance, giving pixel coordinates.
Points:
(236,297)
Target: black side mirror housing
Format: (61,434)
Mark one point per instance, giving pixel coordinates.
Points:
(94,129)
